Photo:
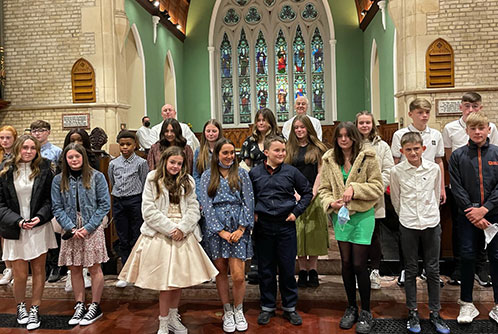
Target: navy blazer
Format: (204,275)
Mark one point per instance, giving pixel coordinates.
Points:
(40,205)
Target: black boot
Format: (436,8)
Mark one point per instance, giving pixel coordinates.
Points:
(313,279)
(302,280)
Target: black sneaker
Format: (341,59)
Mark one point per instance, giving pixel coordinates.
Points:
(78,315)
(365,322)
(439,325)
(413,323)
(349,318)
(293,317)
(302,279)
(55,275)
(34,318)
(265,316)
(93,314)
(313,279)
(252,275)
(401,278)
(22,314)
(482,277)
(455,278)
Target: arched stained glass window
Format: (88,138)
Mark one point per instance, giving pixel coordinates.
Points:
(269,52)
(226,80)
(261,71)
(244,79)
(318,99)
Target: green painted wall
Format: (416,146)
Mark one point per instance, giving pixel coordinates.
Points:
(385,44)
(155,59)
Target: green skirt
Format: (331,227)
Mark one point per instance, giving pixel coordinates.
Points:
(358,230)
(312,232)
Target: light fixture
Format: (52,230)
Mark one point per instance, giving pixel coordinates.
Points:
(156,3)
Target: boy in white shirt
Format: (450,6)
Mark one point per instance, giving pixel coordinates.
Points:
(415,195)
(454,137)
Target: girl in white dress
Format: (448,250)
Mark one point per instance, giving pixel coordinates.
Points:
(25,210)
(171,213)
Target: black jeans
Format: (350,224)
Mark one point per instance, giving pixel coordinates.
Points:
(472,242)
(127,214)
(276,248)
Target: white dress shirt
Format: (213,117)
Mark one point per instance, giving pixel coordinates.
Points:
(433,141)
(415,193)
(286,129)
(145,137)
(192,140)
(455,134)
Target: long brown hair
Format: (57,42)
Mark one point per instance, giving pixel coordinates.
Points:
(315,148)
(12,130)
(177,129)
(233,171)
(172,183)
(373,133)
(203,157)
(270,118)
(354,134)
(86,169)
(16,154)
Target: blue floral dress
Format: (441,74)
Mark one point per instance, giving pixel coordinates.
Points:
(228,210)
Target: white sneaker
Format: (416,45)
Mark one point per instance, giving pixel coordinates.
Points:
(229,321)
(240,320)
(7,276)
(121,284)
(163,325)
(69,286)
(87,278)
(375,279)
(467,312)
(174,322)
(493,314)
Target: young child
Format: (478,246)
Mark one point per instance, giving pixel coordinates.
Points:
(420,113)
(474,180)
(365,122)
(171,212)
(276,211)
(455,136)
(415,187)
(227,202)
(351,179)
(304,151)
(80,201)
(127,174)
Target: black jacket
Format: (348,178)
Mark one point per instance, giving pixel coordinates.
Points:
(474,177)
(274,194)
(40,205)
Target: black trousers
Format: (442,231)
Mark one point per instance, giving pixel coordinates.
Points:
(127,215)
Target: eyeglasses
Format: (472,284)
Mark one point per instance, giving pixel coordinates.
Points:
(41,130)
(471,105)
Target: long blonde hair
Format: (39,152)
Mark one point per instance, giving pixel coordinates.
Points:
(315,148)
(16,153)
(172,183)
(86,169)
(233,171)
(12,130)
(203,157)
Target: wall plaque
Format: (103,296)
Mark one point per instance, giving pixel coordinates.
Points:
(71,121)
(448,107)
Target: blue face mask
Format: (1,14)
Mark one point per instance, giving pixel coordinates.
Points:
(343,215)
(225,166)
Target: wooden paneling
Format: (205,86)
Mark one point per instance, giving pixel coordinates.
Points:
(83,82)
(440,66)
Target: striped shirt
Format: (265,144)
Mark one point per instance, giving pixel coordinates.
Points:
(127,176)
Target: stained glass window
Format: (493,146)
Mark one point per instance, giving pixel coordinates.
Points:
(318,101)
(299,48)
(261,51)
(281,80)
(244,79)
(226,80)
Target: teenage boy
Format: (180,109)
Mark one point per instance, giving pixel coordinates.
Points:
(276,210)
(415,195)
(455,136)
(433,141)
(474,183)
(41,130)
(127,174)
(145,136)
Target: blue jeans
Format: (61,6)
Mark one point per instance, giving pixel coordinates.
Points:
(471,243)
(276,248)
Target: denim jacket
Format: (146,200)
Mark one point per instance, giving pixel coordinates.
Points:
(94,202)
